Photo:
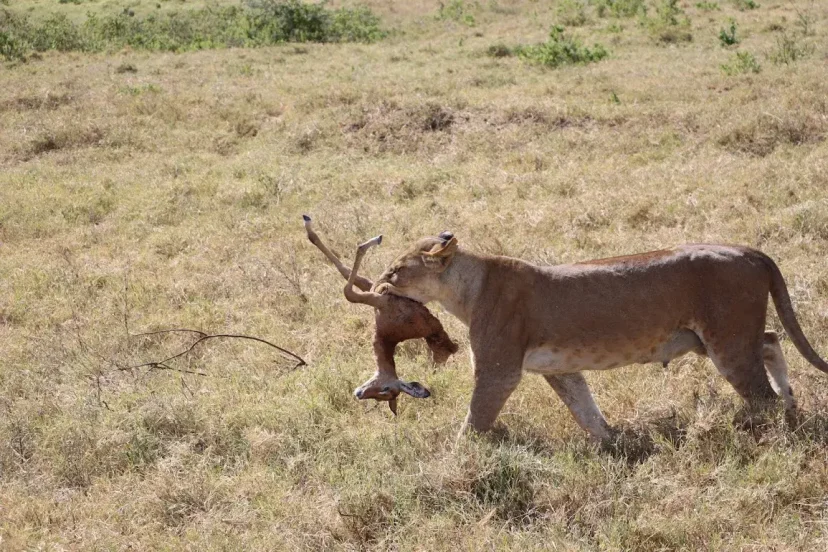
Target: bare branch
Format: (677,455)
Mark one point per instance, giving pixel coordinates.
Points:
(162,364)
(199,332)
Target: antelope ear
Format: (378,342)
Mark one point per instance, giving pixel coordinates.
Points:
(414,389)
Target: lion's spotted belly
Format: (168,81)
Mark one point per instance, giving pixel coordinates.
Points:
(555,359)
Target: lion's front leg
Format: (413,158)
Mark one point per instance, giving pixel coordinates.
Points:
(497,372)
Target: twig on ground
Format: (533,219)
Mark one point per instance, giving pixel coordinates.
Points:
(162,364)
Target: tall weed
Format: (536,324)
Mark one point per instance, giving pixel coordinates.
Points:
(670,24)
(561,49)
(620,8)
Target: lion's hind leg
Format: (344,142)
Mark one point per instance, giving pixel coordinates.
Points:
(739,358)
(740,361)
(574,392)
(778,371)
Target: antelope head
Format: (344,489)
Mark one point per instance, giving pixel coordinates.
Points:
(387,387)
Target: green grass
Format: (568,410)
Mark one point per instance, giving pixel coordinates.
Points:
(143,190)
(255,23)
(559,49)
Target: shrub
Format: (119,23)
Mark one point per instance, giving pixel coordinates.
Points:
(789,49)
(727,37)
(358,24)
(805,21)
(743,5)
(13,33)
(58,33)
(621,8)
(561,49)
(456,10)
(669,12)
(192,30)
(12,48)
(572,12)
(290,21)
(256,23)
(708,6)
(671,24)
(742,62)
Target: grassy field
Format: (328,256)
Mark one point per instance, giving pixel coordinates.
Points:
(78,9)
(142,191)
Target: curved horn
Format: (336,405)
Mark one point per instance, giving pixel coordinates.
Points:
(365,297)
(362,283)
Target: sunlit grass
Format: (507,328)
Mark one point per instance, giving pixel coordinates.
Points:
(171,195)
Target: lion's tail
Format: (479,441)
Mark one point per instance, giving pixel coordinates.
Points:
(779,292)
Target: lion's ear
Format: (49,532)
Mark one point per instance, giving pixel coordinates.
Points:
(445,249)
(441,254)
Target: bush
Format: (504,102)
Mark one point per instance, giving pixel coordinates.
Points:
(356,25)
(290,21)
(572,12)
(13,33)
(256,23)
(12,48)
(789,49)
(727,37)
(456,10)
(621,8)
(58,33)
(671,24)
(742,62)
(561,49)
(743,5)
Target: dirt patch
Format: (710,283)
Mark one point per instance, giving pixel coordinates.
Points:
(70,138)
(532,115)
(764,133)
(48,101)
(389,126)
(437,118)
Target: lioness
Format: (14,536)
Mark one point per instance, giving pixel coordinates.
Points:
(559,320)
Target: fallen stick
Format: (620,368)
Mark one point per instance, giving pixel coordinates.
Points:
(162,364)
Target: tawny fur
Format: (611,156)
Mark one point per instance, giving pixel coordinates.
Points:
(560,320)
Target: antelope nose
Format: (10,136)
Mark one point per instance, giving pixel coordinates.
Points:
(358,393)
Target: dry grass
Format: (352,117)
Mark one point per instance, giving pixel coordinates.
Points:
(170,196)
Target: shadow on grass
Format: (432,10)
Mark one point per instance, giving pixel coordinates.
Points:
(637,443)
(638,440)
(634,443)
(810,427)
